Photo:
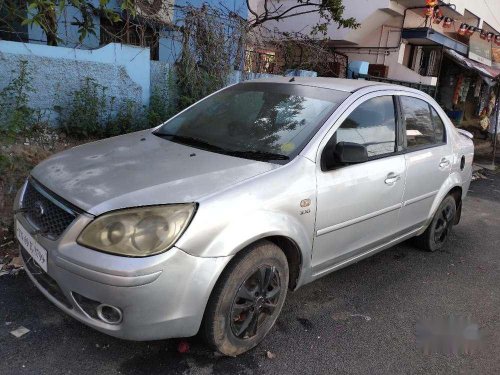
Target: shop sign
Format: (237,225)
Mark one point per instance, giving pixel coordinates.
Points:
(480,50)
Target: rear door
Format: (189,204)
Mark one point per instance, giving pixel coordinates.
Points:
(358,204)
(428,159)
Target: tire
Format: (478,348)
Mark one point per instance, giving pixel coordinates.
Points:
(247,299)
(437,233)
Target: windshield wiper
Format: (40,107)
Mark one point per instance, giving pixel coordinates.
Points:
(191,141)
(248,154)
(260,155)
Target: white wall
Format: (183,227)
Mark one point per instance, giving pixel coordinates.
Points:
(57,72)
(133,60)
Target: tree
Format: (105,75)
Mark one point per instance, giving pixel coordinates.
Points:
(213,39)
(330,11)
(298,49)
(46,14)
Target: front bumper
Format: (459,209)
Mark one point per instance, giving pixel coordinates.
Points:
(160,297)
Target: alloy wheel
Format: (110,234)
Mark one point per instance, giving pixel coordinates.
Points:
(255,302)
(443,224)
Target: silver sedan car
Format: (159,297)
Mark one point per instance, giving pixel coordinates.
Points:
(204,223)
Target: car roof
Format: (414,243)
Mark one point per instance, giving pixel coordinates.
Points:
(341,84)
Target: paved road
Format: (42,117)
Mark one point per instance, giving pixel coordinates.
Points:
(359,320)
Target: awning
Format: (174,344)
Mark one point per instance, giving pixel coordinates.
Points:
(482,69)
(425,36)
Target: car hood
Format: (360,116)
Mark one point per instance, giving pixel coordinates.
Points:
(140,169)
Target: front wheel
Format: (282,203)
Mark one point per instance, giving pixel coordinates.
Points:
(436,235)
(247,299)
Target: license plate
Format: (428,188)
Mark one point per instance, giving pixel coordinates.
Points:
(37,252)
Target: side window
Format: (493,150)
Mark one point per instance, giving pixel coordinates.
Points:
(439,127)
(372,124)
(417,122)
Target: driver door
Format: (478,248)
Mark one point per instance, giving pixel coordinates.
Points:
(358,204)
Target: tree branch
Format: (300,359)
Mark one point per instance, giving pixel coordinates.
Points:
(265,17)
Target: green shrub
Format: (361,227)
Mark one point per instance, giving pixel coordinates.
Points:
(16,116)
(86,112)
(163,102)
(91,113)
(128,118)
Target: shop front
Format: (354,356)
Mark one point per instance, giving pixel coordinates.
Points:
(468,92)
(463,53)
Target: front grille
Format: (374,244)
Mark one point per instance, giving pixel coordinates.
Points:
(46,212)
(47,282)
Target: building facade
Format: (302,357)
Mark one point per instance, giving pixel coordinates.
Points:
(449,49)
(384,37)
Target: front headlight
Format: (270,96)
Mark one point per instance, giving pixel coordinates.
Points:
(138,232)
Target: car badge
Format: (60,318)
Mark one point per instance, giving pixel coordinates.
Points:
(38,209)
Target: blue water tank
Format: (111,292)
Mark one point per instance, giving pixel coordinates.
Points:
(357,69)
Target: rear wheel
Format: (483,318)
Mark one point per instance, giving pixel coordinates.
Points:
(247,299)
(437,234)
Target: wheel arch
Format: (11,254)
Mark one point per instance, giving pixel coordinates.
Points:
(453,187)
(456,192)
(293,256)
(288,246)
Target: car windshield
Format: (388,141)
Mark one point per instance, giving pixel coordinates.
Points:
(262,121)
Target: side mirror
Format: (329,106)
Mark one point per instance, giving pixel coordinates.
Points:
(350,153)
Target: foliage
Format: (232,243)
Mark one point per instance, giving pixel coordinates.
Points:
(16,116)
(208,51)
(86,110)
(157,111)
(160,109)
(163,101)
(329,11)
(46,14)
(128,118)
(212,39)
(213,42)
(93,114)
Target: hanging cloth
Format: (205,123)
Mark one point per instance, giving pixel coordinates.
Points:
(458,89)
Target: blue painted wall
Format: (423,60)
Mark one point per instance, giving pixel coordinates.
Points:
(168,49)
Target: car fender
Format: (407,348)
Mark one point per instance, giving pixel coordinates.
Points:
(281,202)
(453,180)
(247,229)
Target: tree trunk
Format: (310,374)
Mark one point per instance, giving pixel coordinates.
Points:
(49,25)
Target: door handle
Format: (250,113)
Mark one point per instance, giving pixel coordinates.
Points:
(392,178)
(444,163)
